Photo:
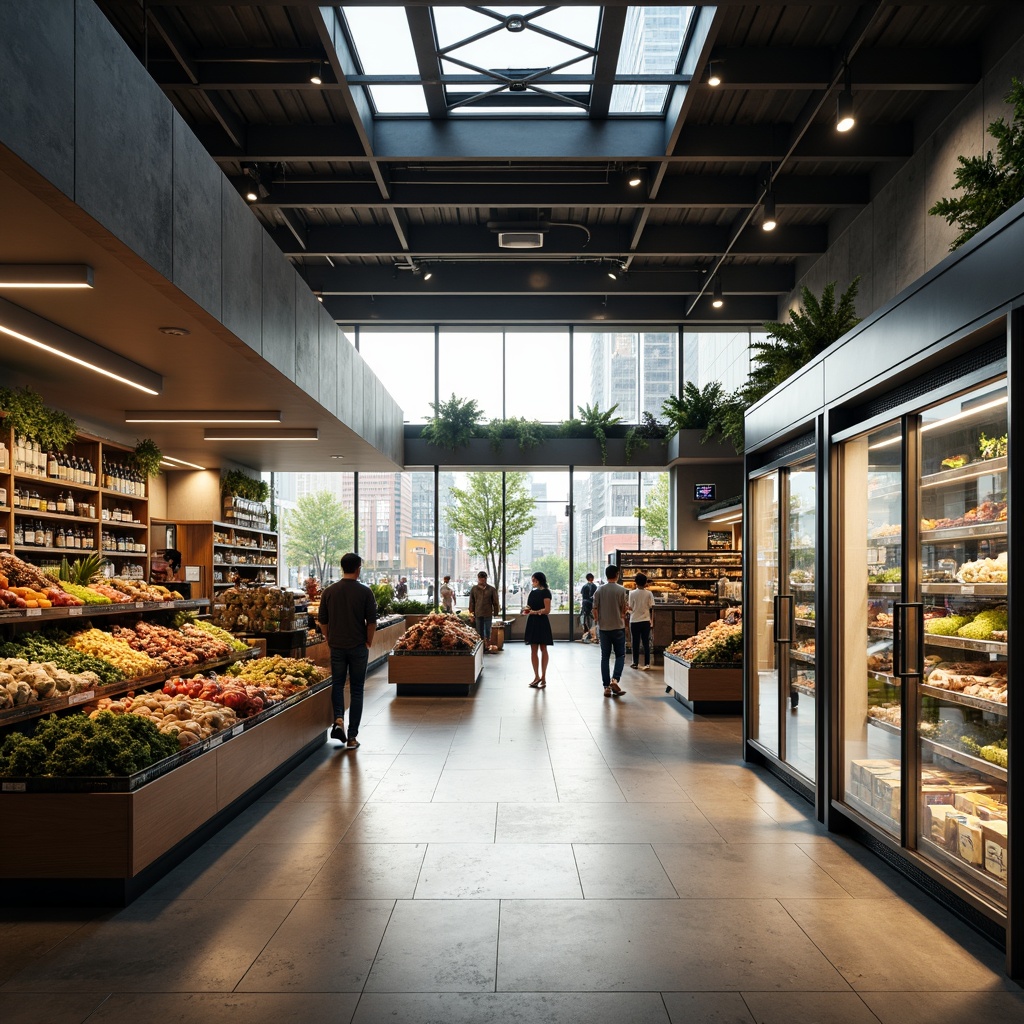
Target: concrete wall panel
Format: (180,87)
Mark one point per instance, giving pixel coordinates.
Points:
(37,83)
(346,356)
(278,296)
(307,340)
(122,135)
(241,268)
(196,251)
(328,362)
(358,396)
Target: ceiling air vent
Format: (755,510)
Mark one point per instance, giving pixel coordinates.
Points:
(520,239)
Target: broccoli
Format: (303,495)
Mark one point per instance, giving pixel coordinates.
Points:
(21,755)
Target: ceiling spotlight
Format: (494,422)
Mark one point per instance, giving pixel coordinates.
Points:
(768,220)
(427,275)
(635,176)
(714,73)
(618,268)
(254,190)
(845,118)
(316,73)
(716,298)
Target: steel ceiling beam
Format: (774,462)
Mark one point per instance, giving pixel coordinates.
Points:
(678,192)
(458,240)
(591,310)
(421,28)
(530,279)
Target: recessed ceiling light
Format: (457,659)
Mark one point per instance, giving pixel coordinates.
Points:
(337,456)
(175,332)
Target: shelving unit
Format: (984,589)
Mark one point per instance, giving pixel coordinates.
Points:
(221,549)
(79,501)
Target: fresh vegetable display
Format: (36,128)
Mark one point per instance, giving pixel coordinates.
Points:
(215,631)
(244,700)
(719,643)
(23,681)
(172,647)
(86,745)
(263,609)
(984,624)
(946,626)
(187,720)
(286,674)
(886,576)
(134,664)
(51,647)
(438,633)
(139,591)
(21,574)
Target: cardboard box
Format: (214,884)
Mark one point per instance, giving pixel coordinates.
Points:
(969,840)
(993,836)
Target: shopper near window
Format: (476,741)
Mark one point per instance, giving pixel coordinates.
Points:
(448,599)
(348,611)
(641,617)
(402,590)
(587,592)
(611,610)
(538,628)
(483,606)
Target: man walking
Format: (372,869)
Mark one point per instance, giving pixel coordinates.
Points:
(587,592)
(611,609)
(483,606)
(349,613)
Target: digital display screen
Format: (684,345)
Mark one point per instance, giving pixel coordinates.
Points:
(703,492)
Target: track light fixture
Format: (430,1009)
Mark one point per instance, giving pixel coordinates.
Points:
(845,118)
(635,176)
(716,296)
(617,269)
(254,190)
(714,73)
(316,73)
(768,220)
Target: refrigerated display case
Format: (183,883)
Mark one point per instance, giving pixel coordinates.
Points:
(782,670)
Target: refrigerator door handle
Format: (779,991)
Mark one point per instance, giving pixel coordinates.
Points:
(901,648)
(779,598)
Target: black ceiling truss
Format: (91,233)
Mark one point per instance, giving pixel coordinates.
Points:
(351,194)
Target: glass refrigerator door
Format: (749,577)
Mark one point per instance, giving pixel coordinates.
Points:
(962,728)
(798,657)
(870,582)
(762,604)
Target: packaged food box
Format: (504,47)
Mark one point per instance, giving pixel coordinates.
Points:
(993,834)
(969,840)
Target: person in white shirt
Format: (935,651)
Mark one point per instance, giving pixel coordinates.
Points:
(641,616)
(448,599)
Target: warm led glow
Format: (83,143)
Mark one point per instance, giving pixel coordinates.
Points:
(717,300)
(203,416)
(427,275)
(284,434)
(964,414)
(845,119)
(635,178)
(768,221)
(181,462)
(251,196)
(714,75)
(74,348)
(45,275)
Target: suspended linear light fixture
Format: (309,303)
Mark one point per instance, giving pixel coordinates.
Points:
(202,416)
(45,275)
(22,325)
(256,434)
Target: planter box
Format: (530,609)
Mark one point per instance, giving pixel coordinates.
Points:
(438,673)
(705,689)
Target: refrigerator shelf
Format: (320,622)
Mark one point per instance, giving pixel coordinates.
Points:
(954,697)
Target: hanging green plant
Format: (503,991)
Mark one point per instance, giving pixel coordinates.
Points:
(147,457)
(26,414)
(640,435)
(241,485)
(990,187)
(598,422)
(454,422)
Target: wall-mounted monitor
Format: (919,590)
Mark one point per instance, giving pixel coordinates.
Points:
(703,492)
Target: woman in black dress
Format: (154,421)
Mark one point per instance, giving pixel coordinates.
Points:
(538,628)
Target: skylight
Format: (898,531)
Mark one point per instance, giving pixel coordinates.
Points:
(532,61)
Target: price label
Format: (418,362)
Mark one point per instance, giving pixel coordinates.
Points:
(14,787)
(238,730)
(967,590)
(216,741)
(140,604)
(33,611)
(75,610)
(81,698)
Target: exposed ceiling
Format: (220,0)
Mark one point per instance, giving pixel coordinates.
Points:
(357,200)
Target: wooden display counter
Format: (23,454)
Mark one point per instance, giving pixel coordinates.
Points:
(435,673)
(705,689)
(107,848)
(383,641)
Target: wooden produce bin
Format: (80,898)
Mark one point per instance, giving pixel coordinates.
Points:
(435,673)
(705,689)
(109,847)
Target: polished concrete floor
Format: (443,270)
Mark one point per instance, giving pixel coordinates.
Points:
(519,855)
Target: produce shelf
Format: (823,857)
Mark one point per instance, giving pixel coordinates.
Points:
(953,697)
(965,589)
(977,531)
(807,691)
(881,723)
(962,643)
(971,471)
(978,764)
(807,659)
(809,623)
(92,611)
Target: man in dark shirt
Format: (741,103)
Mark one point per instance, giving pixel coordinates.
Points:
(348,613)
(587,592)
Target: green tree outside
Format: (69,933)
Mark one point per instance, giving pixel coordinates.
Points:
(475,512)
(318,531)
(555,569)
(654,514)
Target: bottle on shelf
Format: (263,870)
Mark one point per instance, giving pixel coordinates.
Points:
(5,458)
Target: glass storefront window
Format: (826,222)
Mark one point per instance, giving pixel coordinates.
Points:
(470,366)
(404,363)
(537,375)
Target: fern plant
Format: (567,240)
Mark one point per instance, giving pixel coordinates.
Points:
(529,433)
(812,327)
(641,434)
(597,421)
(694,408)
(454,422)
(990,186)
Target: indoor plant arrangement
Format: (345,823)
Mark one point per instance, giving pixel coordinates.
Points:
(30,418)
(147,457)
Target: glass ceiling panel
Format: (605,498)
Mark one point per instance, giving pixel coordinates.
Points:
(398,99)
(652,39)
(382,40)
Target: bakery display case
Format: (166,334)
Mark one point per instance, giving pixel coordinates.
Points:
(687,587)
(924,641)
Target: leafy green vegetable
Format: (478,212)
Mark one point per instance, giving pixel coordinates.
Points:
(52,646)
